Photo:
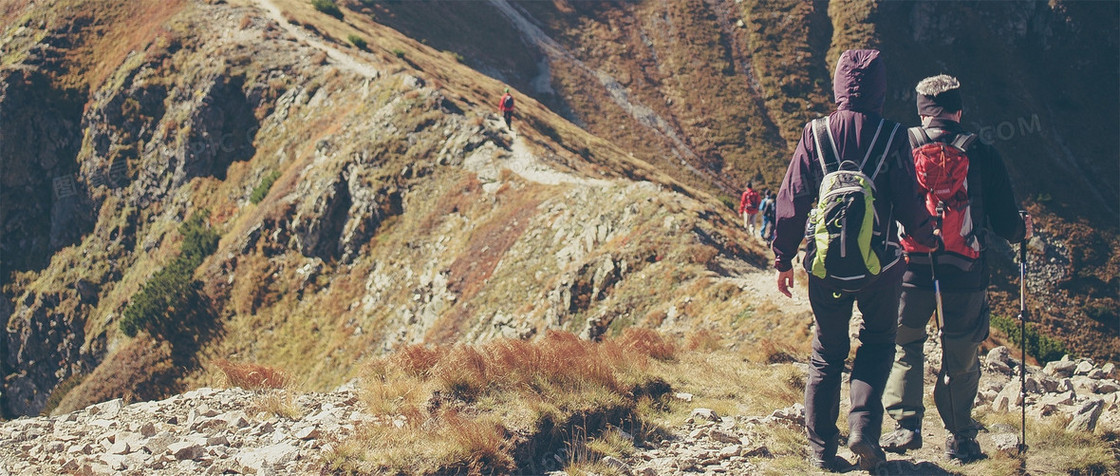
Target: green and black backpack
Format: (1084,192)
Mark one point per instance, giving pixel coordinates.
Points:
(848,248)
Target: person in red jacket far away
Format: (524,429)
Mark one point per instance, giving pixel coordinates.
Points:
(505,106)
(748,207)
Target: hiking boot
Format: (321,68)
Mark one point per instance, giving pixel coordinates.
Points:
(963,448)
(901,440)
(869,453)
(831,464)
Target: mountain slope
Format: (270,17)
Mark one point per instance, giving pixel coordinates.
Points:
(368,197)
(393,208)
(736,81)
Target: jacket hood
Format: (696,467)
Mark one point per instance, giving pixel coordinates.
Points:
(860,81)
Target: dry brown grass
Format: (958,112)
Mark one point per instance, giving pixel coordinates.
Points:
(459,407)
(123,27)
(770,351)
(251,376)
(704,340)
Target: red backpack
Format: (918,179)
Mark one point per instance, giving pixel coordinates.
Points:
(942,171)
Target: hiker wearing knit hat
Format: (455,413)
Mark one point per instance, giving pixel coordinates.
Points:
(966,185)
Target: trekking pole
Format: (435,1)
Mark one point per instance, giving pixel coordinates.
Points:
(941,333)
(1023,341)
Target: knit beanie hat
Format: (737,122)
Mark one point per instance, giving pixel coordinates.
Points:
(938,94)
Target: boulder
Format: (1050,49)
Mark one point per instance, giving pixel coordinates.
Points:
(1060,368)
(1006,443)
(723,436)
(1083,368)
(268,456)
(1085,419)
(186,450)
(706,414)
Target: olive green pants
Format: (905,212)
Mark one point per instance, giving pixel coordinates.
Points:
(965,327)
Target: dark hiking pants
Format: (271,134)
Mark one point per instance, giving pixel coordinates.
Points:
(966,326)
(831,312)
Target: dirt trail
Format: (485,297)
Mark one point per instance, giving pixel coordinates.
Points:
(523,162)
(341,59)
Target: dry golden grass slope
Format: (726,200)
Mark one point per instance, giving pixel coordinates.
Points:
(369,199)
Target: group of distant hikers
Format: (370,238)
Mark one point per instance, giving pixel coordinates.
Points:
(754,204)
(897,222)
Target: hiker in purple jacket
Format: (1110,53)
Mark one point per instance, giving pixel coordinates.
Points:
(859,85)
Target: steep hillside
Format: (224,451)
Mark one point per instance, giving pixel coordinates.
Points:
(265,181)
(364,199)
(726,87)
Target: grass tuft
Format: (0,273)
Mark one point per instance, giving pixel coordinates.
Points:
(251,376)
(328,7)
(357,41)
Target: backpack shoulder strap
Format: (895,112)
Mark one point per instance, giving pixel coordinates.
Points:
(964,141)
(886,148)
(820,128)
(874,139)
(918,137)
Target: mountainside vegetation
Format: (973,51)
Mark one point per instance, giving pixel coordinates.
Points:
(189,181)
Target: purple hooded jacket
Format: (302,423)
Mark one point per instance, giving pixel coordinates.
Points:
(860,86)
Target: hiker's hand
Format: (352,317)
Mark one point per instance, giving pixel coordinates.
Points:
(1029,224)
(785,282)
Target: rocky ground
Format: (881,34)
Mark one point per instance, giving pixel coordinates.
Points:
(236,431)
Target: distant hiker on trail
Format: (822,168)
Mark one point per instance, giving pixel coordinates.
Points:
(766,209)
(748,207)
(851,139)
(505,106)
(970,186)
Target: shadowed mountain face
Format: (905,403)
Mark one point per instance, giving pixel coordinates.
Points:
(369,197)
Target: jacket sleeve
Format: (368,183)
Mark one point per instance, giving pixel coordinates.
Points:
(795,199)
(907,197)
(1001,207)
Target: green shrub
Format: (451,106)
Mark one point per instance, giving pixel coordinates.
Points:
(169,296)
(1039,346)
(262,189)
(357,41)
(328,7)
(458,57)
(398,52)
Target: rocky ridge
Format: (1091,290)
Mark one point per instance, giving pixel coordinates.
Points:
(236,431)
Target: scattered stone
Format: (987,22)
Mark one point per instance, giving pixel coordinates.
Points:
(1006,443)
(1083,368)
(1109,370)
(1085,419)
(186,450)
(1060,368)
(147,429)
(617,465)
(760,451)
(723,436)
(683,396)
(999,360)
(730,451)
(706,414)
(1108,386)
(269,456)
(158,444)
